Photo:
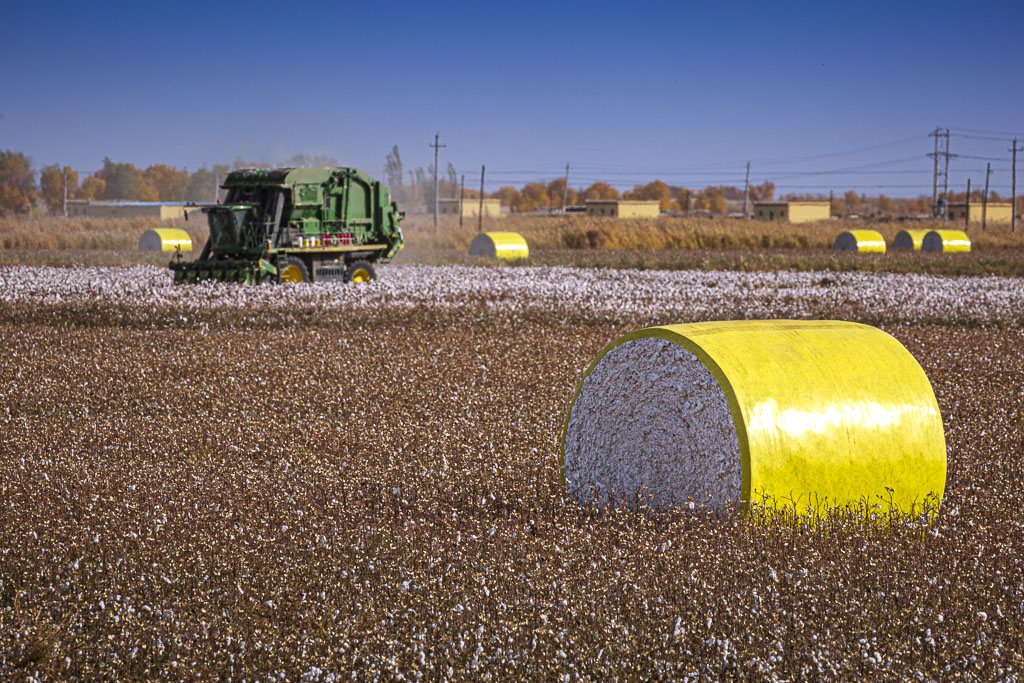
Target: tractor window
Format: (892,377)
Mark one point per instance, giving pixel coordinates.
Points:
(223,232)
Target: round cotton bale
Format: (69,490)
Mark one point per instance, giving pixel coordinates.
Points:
(165,239)
(499,245)
(863,241)
(909,240)
(806,415)
(952,241)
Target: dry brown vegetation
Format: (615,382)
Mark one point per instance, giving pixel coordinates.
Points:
(676,233)
(58,234)
(670,243)
(374,493)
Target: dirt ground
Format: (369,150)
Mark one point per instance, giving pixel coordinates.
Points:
(378,496)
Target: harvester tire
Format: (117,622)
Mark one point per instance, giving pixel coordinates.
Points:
(294,271)
(360,272)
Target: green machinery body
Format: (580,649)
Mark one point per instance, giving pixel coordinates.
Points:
(297,224)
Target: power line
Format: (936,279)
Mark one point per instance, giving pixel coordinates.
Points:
(989,132)
(857,150)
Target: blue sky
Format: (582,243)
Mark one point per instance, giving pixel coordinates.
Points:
(623,91)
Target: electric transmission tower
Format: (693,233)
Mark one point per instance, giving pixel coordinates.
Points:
(940,208)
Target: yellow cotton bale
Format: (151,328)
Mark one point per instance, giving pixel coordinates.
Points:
(165,239)
(499,245)
(863,241)
(951,241)
(805,415)
(909,240)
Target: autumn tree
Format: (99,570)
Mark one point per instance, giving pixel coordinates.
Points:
(509,197)
(653,191)
(851,200)
(711,199)
(533,196)
(17,182)
(599,190)
(167,183)
(555,190)
(683,198)
(122,180)
(51,186)
(885,205)
(765,192)
(92,187)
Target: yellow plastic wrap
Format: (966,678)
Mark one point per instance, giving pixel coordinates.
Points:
(909,240)
(165,239)
(863,241)
(826,413)
(952,241)
(499,245)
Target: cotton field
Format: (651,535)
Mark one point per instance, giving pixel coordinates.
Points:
(593,295)
(329,482)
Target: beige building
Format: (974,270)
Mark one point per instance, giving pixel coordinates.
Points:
(794,212)
(623,208)
(161,210)
(470,207)
(995,212)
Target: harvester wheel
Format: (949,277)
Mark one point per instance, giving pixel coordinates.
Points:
(294,271)
(360,272)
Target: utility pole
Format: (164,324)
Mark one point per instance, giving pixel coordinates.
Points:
(216,187)
(480,215)
(565,190)
(984,197)
(1013,186)
(64,205)
(831,200)
(462,197)
(967,207)
(746,195)
(437,146)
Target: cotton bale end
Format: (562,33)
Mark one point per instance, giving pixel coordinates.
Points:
(909,240)
(799,415)
(862,241)
(949,241)
(165,239)
(509,246)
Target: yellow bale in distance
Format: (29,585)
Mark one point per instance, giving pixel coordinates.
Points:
(863,241)
(951,241)
(165,239)
(909,240)
(818,414)
(509,246)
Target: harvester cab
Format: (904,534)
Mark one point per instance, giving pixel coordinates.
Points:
(297,225)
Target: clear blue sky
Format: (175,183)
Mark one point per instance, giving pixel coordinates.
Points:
(622,91)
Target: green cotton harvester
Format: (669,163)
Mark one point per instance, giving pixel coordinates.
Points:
(297,225)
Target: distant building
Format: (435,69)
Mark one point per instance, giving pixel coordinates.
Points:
(470,207)
(794,212)
(623,208)
(995,212)
(161,210)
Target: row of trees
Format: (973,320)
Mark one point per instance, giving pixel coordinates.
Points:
(416,188)
(21,189)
